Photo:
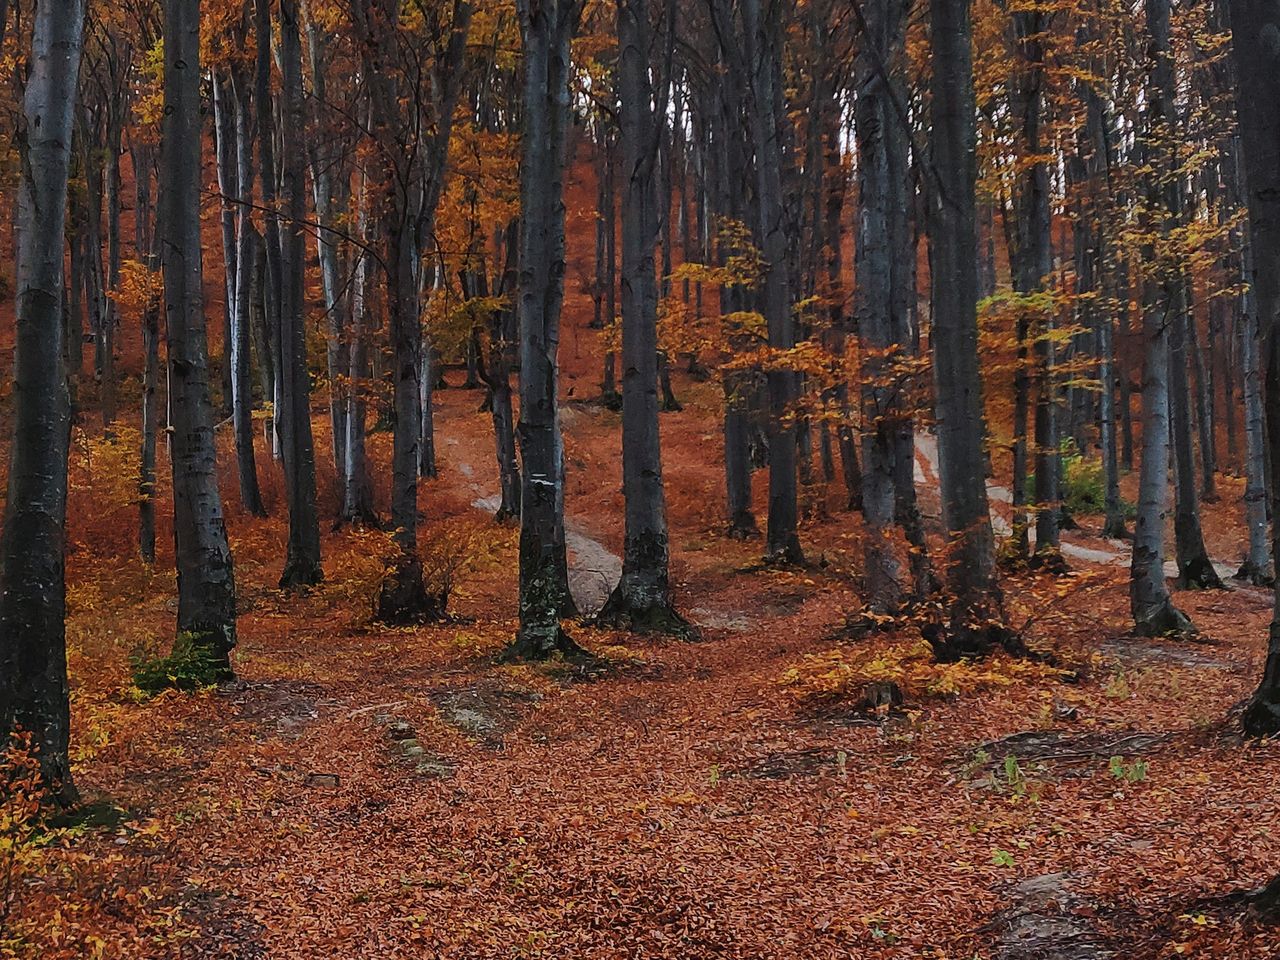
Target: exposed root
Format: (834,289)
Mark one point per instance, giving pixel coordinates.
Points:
(538,643)
(1163,620)
(624,611)
(1199,574)
(402,598)
(1251,573)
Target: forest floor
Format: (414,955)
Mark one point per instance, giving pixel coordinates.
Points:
(367,792)
(363,792)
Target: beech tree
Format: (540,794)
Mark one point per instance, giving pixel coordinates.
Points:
(642,599)
(1255,28)
(33,660)
(546,28)
(206,584)
(976,620)
(1152,607)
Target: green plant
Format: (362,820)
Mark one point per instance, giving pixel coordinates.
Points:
(190,666)
(1084,486)
(1129,772)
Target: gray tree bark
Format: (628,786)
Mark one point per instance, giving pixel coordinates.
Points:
(302,559)
(241,322)
(976,616)
(762,47)
(875,267)
(1149,600)
(1256,44)
(206,584)
(642,600)
(34,694)
(546,28)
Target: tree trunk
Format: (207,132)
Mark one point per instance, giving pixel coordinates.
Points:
(763,41)
(1195,569)
(228,173)
(331,190)
(206,585)
(241,319)
(546,29)
(302,560)
(877,249)
(976,618)
(642,599)
(357,487)
(34,694)
(1153,610)
(1256,39)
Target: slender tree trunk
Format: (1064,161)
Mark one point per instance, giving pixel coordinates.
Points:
(642,599)
(331,190)
(241,322)
(546,29)
(1149,600)
(34,695)
(228,173)
(206,585)
(976,615)
(357,487)
(874,272)
(150,427)
(1195,569)
(273,280)
(503,339)
(763,35)
(302,560)
(1258,567)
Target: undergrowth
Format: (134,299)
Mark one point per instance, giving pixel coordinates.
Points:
(911,667)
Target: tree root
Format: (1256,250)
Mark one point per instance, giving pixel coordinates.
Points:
(1163,620)
(622,611)
(543,643)
(1251,573)
(1199,574)
(402,598)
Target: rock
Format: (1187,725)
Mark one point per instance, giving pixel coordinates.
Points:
(400,731)
(437,768)
(330,780)
(1046,920)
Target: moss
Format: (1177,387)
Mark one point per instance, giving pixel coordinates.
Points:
(197,660)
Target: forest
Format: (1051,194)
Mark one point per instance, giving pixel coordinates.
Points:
(620,479)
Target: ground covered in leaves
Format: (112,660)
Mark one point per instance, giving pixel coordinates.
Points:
(363,792)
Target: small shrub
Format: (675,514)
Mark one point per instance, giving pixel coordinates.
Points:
(190,666)
(910,667)
(1084,485)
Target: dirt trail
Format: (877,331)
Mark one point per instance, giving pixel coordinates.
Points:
(927,449)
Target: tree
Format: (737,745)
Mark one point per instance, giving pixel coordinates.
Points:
(642,599)
(1152,608)
(206,584)
(33,660)
(302,562)
(878,270)
(409,164)
(976,617)
(762,49)
(546,28)
(1255,28)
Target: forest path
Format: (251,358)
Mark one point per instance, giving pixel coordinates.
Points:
(594,569)
(1119,553)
